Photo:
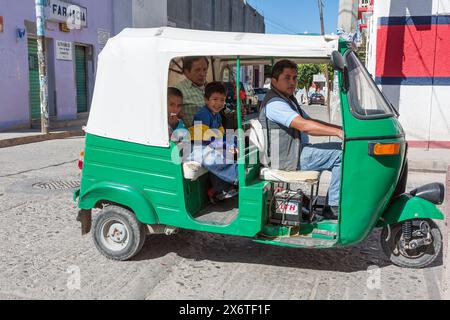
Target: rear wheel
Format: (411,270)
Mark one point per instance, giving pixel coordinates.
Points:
(117,233)
(413,243)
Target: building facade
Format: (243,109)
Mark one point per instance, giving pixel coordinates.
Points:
(73,46)
(71,56)
(408,54)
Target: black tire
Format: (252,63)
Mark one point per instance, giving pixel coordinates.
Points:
(416,259)
(118,219)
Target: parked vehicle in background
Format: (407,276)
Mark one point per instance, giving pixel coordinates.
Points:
(317,98)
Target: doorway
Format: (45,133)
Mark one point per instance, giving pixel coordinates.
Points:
(81,78)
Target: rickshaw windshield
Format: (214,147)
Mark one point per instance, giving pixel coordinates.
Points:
(366,100)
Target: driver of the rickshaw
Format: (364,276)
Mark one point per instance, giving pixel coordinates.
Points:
(280,111)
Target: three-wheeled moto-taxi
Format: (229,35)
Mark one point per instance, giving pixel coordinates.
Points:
(134,179)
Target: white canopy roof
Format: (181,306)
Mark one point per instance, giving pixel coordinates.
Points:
(130,96)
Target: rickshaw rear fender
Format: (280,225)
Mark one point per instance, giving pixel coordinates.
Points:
(121,195)
(408,207)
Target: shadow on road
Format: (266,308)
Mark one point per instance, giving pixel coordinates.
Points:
(221,248)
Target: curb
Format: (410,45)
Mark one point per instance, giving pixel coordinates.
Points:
(40,137)
(428,166)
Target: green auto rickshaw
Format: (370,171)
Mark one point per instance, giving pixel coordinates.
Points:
(134,178)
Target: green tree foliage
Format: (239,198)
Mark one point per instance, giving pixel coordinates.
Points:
(306,74)
(361,52)
(330,71)
(330,74)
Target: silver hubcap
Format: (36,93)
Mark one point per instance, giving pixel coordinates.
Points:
(114,235)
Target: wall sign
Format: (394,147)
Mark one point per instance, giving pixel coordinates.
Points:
(102,36)
(21,33)
(63,27)
(63,50)
(319,78)
(74,15)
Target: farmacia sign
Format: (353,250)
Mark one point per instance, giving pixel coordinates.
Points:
(74,15)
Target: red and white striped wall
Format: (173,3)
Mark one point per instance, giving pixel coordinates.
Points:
(410,59)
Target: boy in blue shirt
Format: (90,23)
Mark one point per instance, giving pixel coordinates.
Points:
(211,144)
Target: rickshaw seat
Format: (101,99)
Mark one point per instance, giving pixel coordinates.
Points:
(310,177)
(193,170)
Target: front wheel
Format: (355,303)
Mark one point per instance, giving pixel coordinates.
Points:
(413,243)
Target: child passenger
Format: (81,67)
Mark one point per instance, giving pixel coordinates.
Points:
(210,143)
(177,129)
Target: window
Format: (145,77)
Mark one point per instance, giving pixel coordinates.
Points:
(365,99)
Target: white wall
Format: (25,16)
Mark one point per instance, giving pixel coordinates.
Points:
(424,110)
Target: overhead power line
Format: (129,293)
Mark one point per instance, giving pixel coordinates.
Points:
(280,27)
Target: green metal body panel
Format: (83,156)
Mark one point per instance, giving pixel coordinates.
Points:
(122,194)
(148,181)
(367,186)
(407,207)
(367,182)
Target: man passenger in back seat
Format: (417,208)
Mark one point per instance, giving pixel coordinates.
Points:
(287,128)
(195,70)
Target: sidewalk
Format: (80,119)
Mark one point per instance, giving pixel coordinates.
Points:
(19,137)
(436,160)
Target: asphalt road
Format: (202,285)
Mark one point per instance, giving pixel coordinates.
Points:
(44,256)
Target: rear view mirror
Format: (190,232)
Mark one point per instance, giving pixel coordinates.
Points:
(337,61)
(345,79)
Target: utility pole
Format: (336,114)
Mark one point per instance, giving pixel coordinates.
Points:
(322,28)
(43,78)
(348,16)
(327,76)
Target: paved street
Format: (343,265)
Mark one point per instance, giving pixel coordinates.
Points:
(43,251)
